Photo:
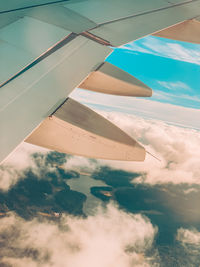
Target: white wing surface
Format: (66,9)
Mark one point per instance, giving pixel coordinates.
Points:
(48,48)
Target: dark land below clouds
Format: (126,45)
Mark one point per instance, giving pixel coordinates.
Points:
(44,193)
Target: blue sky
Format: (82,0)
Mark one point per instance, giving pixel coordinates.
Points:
(170,68)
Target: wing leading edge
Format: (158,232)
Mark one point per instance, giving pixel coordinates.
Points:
(48,48)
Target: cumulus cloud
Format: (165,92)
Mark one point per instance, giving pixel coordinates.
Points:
(188,236)
(110,238)
(176,147)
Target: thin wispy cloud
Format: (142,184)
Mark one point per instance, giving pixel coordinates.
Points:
(175,85)
(142,107)
(167,48)
(175,98)
(165,66)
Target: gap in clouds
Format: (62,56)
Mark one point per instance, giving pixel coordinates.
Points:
(167,193)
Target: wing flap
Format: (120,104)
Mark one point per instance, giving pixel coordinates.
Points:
(78,130)
(187,31)
(110,79)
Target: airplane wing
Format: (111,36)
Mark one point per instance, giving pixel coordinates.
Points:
(50,47)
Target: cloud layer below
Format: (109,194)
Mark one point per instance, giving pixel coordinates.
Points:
(176,147)
(177,115)
(110,238)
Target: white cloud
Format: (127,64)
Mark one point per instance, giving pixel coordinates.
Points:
(161,47)
(12,168)
(176,147)
(110,238)
(177,98)
(8,177)
(20,158)
(174,85)
(134,47)
(80,163)
(190,190)
(189,97)
(187,236)
(188,117)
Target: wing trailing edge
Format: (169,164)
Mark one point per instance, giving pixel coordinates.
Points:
(110,79)
(187,31)
(78,130)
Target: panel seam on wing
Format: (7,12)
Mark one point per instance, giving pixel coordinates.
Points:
(33,6)
(144,13)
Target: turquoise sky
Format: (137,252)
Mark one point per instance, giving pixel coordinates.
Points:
(170,68)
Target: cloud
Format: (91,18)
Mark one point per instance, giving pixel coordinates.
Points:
(167,48)
(23,159)
(133,46)
(176,147)
(174,85)
(12,169)
(142,107)
(110,238)
(8,177)
(81,164)
(187,236)
(187,246)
